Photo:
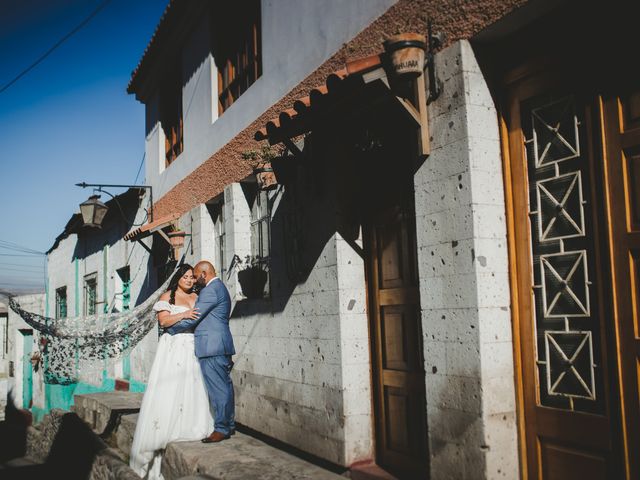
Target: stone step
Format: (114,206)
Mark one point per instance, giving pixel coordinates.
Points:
(242,457)
(104,410)
(124,433)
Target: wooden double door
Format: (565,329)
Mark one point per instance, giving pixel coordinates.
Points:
(572,153)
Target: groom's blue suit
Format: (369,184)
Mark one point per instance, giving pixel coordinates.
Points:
(214,347)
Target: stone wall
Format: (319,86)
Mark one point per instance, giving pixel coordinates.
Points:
(464,282)
(301,371)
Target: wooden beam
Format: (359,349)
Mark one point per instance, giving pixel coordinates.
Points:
(164,235)
(144,245)
(293,148)
(410,110)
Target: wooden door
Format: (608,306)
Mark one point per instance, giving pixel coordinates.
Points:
(560,280)
(394,311)
(622,174)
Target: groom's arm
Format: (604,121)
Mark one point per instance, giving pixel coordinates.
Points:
(205,303)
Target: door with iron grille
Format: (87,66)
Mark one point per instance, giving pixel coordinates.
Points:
(561,280)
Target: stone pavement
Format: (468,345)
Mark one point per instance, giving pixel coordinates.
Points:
(240,457)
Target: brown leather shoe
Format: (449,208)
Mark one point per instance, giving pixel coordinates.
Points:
(215,437)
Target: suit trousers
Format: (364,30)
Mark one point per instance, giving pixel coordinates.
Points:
(216,371)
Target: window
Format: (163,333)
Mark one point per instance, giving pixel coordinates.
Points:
(90,294)
(260,228)
(123,289)
(220,242)
(237,50)
(171,114)
(5,335)
(61,302)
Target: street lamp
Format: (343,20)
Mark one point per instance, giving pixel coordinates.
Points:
(93,210)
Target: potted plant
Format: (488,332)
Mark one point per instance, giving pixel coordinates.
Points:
(260,160)
(252,276)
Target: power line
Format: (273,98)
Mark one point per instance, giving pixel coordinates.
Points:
(140,168)
(14,269)
(55,46)
(32,255)
(21,265)
(18,248)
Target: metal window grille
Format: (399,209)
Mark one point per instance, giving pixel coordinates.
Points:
(61,302)
(260,227)
(125,293)
(90,294)
(220,238)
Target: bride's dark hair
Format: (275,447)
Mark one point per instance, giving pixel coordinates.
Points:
(173,284)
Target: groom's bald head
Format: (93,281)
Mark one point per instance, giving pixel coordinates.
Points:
(204,271)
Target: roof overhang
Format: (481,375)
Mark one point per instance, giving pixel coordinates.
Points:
(148,229)
(361,85)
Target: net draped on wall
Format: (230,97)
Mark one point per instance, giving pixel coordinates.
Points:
(85,346)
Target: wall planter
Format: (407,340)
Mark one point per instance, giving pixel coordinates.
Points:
(176,238)
(260,161)
(252,281)
(406,52)
(265,176)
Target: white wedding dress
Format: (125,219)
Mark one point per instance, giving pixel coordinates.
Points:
(175,406)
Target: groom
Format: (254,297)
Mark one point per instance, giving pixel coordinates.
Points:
(214,347)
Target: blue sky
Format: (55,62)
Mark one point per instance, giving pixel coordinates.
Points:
(69,119)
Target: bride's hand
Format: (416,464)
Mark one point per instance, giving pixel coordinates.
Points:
(191,314)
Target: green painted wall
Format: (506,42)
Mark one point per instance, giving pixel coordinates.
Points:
(61,396)
(27,371)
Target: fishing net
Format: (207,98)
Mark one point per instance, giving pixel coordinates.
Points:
(70,347)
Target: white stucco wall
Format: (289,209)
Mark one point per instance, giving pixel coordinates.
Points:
(297,37)
(32,303)
(464,284)
(92,254)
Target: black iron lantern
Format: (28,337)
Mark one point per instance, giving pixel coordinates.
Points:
(93,211)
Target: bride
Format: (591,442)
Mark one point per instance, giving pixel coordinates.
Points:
(175,406)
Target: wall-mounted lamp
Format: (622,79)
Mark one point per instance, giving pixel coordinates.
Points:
(93,210)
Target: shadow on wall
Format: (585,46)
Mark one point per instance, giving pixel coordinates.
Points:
(344,172)
(71,455)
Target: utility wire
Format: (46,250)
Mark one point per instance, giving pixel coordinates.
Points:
(55,46)
(140,168)
(18,248)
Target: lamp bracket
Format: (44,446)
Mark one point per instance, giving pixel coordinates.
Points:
(436,40)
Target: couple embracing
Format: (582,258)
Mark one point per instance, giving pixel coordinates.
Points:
(190,376)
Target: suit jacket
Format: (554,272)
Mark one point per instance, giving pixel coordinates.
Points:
(212,333)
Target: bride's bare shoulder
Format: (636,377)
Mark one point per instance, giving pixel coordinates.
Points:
(193,296)
(165,296)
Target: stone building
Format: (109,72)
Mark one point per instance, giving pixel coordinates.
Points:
(443,277)
(93,270)
(24,382)
(4,356)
